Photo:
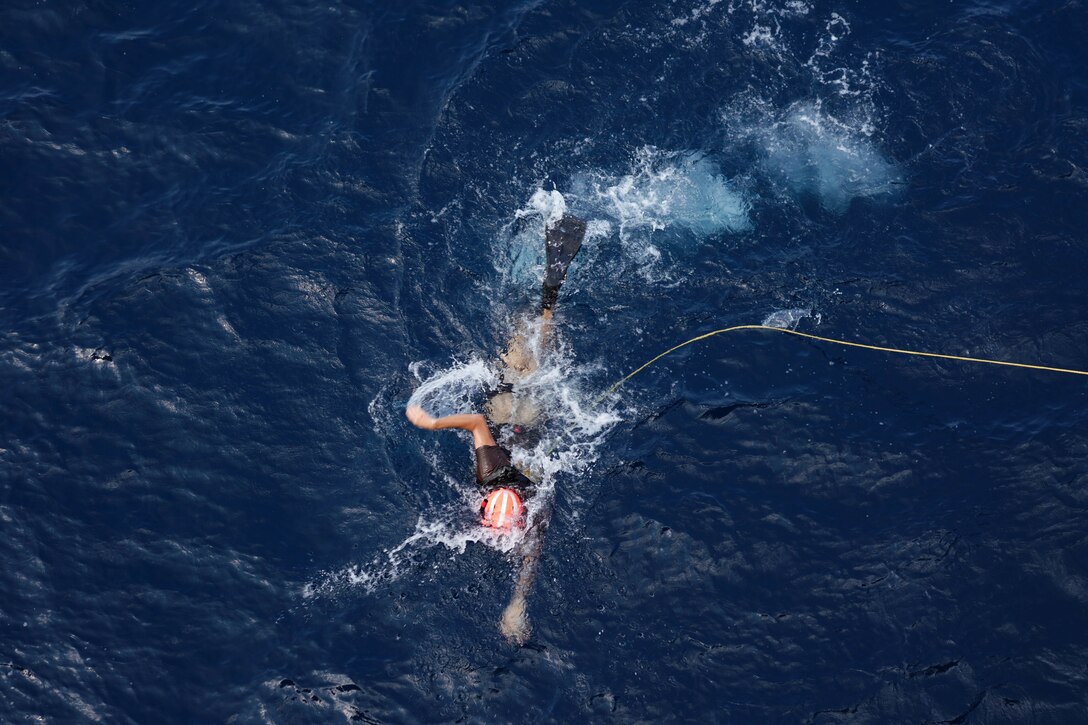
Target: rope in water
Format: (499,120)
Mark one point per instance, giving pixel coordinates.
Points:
(879,348)
(831,340)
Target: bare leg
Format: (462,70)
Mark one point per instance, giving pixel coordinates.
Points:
(562,242)
(514,624)
(521,359)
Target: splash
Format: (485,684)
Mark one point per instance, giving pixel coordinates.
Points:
(664,190)
(660,192)
(822,147)
(548,206)
(818,154)
(394,563)
(569,445)
(456,390)
(519,258)
(813,153)
(806,120)
(788,319)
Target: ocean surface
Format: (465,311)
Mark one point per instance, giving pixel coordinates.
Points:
(236,238)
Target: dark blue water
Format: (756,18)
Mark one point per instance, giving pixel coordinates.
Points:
(236,237)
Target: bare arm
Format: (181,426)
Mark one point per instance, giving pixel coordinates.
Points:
(514,623)
(474,423)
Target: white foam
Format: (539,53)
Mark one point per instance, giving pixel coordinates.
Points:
(198,278)
(664,190)
(696,13)
(660,191)
(760,35)
(823,155)
(392,564)
(550,206)
(520,258)
(814,153)
(788,319)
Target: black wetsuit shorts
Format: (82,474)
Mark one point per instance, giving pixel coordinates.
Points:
(494,470)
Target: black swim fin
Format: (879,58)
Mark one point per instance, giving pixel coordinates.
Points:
(562,241)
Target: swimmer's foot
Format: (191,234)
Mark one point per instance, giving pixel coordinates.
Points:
(562,241)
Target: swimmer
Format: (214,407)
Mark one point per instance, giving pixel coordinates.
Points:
(504,487)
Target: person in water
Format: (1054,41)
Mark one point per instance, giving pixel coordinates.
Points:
(503,486)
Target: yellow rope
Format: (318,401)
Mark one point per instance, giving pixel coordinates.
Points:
(833,341)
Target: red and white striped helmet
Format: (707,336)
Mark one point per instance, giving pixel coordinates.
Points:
(502,509)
